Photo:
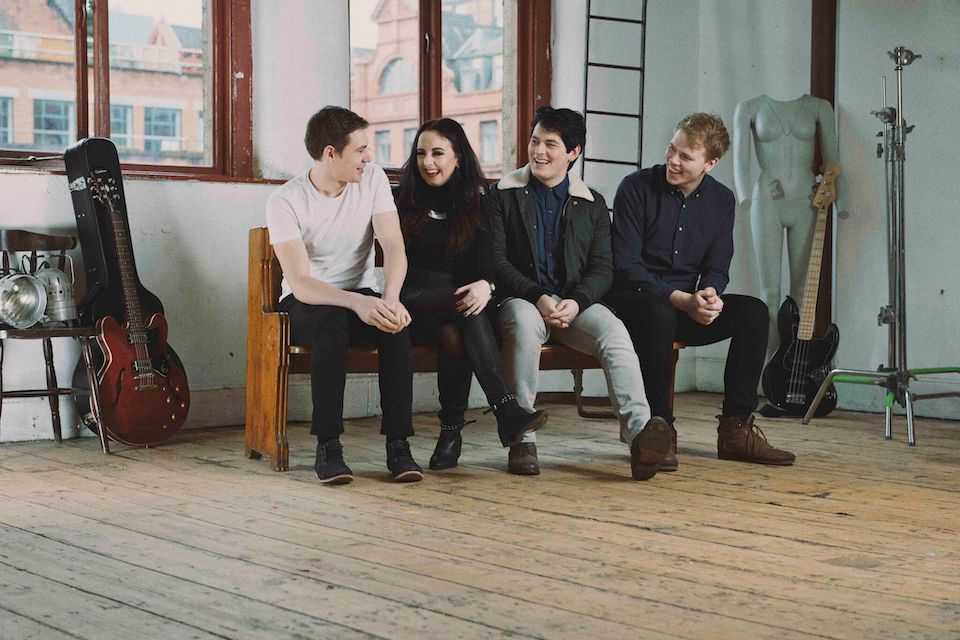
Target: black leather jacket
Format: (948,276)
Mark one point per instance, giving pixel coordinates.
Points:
(587,256)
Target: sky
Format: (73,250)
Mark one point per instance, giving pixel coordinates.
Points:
(188,13)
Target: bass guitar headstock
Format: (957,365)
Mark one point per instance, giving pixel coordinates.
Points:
(826,193)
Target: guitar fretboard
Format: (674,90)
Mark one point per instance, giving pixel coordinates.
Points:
(826,195)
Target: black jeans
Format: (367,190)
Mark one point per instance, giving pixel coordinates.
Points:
(654,324)
(429,298)
(329,331)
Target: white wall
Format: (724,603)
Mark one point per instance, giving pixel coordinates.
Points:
(867,30)
(776,62)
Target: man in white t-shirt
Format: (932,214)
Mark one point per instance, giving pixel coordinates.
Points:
(322,225)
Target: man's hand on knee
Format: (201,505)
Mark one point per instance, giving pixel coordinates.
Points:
(703,307)
(547,306)
(378,313)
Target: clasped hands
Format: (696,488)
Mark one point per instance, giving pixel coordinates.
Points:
(388,315)
(703,306)
(557,313)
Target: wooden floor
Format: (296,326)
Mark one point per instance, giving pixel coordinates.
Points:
(192,540)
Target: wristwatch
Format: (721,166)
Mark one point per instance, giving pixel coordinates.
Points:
(493,287)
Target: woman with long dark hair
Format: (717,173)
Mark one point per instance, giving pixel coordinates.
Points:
(450,282)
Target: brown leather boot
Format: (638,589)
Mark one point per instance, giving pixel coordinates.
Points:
(737,440)
(522,459)
(670,462)
(648,448)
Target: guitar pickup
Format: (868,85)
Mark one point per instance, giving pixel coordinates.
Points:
(142,367)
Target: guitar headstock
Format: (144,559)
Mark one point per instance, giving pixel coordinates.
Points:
(827,188)
(103,188)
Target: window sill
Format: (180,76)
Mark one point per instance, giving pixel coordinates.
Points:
(56,168)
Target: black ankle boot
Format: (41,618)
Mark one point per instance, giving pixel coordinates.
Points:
(401,463)
(513,420)
(447,451)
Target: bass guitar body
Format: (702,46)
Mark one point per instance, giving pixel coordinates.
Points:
(795,372)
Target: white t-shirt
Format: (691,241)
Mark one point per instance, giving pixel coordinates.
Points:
(338,232)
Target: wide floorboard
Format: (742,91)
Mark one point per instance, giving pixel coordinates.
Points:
(192,540)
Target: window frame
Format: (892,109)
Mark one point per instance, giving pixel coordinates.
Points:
(231,97)
(534,72)
(68,116)
(122,139)
(6,124)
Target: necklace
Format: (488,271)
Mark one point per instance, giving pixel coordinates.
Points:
(437,215)
(796,113)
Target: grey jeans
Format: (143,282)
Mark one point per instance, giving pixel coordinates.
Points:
(596,332)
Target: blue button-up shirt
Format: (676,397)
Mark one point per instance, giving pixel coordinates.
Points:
(663,241)
(549,205)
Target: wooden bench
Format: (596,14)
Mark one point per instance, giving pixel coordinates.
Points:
(272,358)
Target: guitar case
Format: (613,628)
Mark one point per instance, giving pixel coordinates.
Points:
(104,296)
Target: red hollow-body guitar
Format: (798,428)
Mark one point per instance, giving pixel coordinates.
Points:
(143,392)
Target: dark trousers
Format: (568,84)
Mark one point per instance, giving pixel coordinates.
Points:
(329,331)
(466,344)
(654,324)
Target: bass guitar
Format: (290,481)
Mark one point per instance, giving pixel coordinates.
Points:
(143,391)
(802,361)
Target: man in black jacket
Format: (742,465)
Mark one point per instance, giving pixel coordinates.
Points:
(672,247)
(551,243)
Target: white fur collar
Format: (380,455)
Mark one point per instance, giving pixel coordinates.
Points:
(521,178)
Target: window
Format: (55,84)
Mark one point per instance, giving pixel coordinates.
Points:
(161,130)
(408,135)
(398,77)
(415,60)
(120,121)
(53,123)
(382,150)
(166,65)
(489,142)
(6,120)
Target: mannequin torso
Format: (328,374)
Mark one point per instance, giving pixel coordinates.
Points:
(785,135)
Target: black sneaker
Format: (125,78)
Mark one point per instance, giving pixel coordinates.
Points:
(401,463)
(330,466)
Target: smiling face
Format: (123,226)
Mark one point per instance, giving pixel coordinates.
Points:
(549,158)
(436,159)
(686,163)
(348,164)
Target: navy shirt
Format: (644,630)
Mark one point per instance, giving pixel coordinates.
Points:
(663,241)
(549,205)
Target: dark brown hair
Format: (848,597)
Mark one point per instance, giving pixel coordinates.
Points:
(331,126)
(462,192)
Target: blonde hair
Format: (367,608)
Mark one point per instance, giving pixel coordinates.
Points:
(706,130)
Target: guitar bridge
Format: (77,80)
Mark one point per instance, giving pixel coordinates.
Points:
(796,398)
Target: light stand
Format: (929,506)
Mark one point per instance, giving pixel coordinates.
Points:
(895,376)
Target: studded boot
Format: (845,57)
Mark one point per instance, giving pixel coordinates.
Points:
(447,451)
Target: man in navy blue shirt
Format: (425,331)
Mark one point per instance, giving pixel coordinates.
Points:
(672,237)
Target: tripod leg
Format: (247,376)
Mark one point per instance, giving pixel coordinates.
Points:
(888,417)
(911,435)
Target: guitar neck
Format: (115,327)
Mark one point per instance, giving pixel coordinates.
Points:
(125,263)
(824,198)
